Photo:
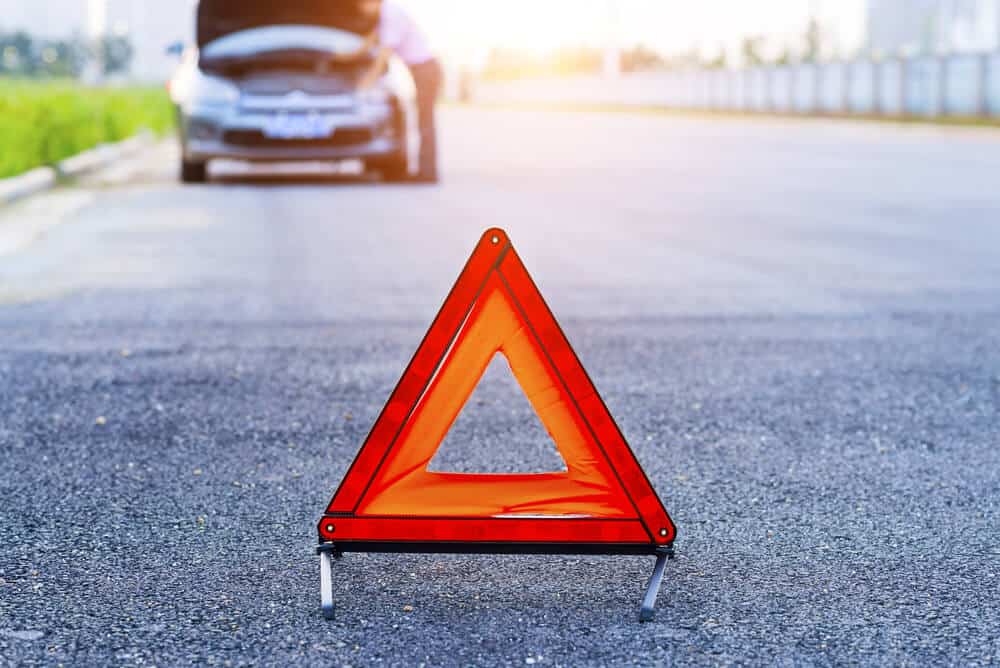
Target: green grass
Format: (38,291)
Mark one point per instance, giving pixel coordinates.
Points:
(42,123)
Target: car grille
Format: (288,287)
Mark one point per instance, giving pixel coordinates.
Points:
(280,85)
(340,137)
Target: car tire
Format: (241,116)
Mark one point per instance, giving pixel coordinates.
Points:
(395,171)
(392,169)
(194,172)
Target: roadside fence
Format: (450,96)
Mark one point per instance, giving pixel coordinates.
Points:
(963,85)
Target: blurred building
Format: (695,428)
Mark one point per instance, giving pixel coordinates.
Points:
(933,26)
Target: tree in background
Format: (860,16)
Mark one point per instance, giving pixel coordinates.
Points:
(814,39)
(506,64)
(22,55)
(64,59)
(640,58)
(752,51)
(575,60)
(810,49)
(116,53)
(16,53)
(719,62)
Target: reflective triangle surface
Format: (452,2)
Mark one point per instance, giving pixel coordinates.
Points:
(389,494)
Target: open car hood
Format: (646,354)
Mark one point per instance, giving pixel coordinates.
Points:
(218,18)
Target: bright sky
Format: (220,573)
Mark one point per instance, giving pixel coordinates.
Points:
(467,29)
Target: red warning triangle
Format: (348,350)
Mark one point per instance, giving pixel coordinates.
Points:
(390,501)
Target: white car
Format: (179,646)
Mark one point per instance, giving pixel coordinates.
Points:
(281,83)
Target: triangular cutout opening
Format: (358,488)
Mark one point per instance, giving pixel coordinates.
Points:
(498,415)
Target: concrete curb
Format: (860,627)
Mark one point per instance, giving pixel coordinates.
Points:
(44,178)
(26,184)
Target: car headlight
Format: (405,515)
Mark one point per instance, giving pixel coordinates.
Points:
(212,91)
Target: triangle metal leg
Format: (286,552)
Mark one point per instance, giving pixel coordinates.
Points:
(326,584)
(648,611)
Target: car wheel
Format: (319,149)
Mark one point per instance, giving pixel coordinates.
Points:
(194,172)
(395,170)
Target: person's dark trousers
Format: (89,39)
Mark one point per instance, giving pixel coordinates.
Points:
(427,77)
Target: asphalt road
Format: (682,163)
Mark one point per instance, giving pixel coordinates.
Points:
(795,324)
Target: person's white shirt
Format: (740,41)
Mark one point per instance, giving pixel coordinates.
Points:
(401,34)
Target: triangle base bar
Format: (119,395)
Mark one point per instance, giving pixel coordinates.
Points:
(647,612)
(417,547)
(521,530)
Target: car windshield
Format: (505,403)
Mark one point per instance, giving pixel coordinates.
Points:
(272,39)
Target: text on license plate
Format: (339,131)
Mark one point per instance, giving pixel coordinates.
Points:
(299,126)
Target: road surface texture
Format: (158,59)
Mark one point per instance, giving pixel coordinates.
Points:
(796,324)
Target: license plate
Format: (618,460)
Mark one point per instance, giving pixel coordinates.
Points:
(299,126)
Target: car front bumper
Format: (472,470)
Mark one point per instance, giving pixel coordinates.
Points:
(240,135)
